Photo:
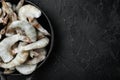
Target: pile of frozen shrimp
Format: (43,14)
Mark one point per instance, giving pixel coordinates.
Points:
(22,39)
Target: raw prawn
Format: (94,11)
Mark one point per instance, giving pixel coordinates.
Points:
(18,60)
(28,28)
(28,11)
(5,46)
(26,69)
(36,45)
(38,26)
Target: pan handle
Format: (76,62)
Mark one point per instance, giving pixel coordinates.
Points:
(5,77)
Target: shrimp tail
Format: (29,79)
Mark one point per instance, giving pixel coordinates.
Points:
(19,5)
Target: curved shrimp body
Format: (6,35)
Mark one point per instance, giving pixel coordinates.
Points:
(6,44)
(18,60)
(28,28)
(38,44)
(39,58)
(26,69)
(28,11)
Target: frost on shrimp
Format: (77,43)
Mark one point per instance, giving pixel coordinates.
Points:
(18,60)
(5,46)
(28,28)
(28,11)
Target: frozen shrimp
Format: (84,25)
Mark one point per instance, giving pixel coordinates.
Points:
(40,57)
(28,11)
(36,45)
(18,60)
(38,26)
(10,14)
(5,46)
(26,69)
(28,28)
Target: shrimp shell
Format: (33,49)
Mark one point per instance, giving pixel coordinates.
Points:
(28,28)
(19,5)
(35,23)
(5,46)
(26,69)
(27,11)
(20,58)
(39,58)
(38,44)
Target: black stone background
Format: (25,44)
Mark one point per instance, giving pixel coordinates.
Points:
(87,40)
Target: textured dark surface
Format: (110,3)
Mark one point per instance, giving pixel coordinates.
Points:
(87,35)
